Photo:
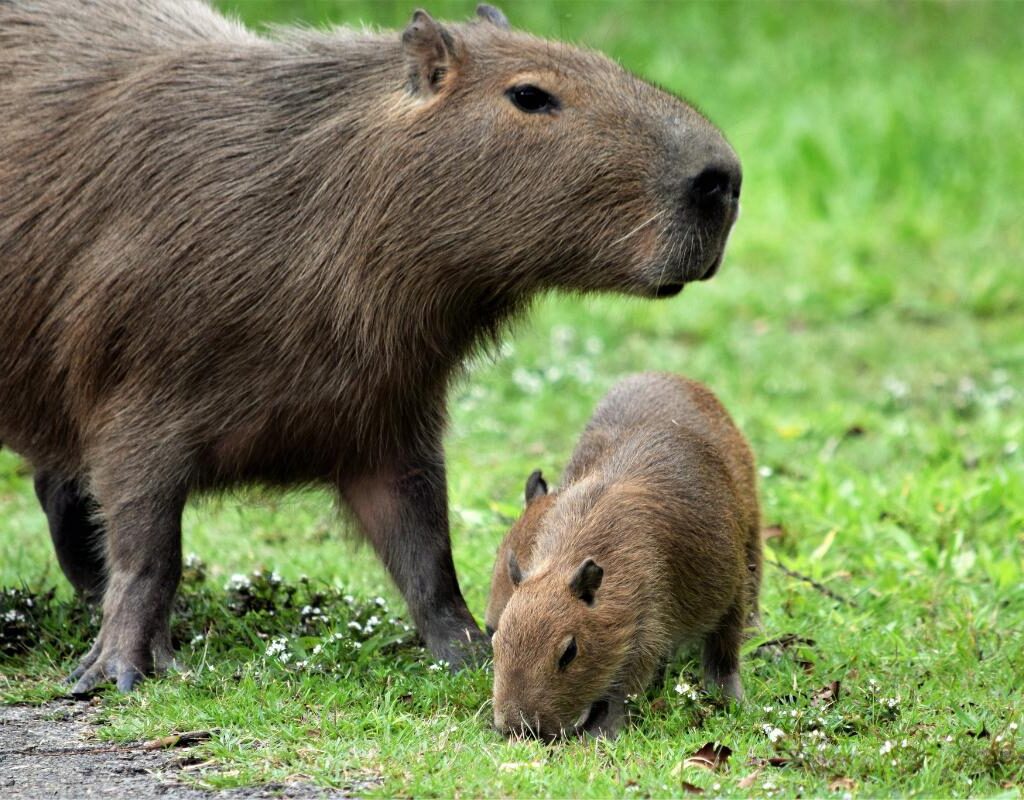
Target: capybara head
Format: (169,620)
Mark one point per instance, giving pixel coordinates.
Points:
(557,651)
(544,165)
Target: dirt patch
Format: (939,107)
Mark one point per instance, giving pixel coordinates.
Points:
(51,751)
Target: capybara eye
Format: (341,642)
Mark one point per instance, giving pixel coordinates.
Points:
(568,655)
(532,100)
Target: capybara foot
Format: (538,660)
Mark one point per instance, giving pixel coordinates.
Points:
(467,647)
(111,658)
(728,684)
(604,718)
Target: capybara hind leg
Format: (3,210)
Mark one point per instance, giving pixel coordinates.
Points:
(721,655)
(404,513)
(144,559)
(76,533)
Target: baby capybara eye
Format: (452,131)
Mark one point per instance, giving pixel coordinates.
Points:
(568,655)
(532,99)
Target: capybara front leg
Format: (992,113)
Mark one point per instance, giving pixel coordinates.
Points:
(76,532)
(404,513)
(144,567)
(721,654)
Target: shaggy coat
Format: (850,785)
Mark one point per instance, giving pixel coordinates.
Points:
(227,257)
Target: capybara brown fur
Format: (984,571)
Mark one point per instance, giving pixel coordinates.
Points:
(228,257)
(651,542)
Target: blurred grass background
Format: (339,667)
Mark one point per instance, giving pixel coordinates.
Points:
(866,331)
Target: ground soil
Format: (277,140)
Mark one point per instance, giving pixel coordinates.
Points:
(51,751)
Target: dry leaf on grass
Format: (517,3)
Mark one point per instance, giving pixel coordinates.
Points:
(710,756)
(186,739)
(749,780)
(841,784)
(826,696)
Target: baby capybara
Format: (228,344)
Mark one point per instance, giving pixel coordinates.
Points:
(652,541)
(230,257)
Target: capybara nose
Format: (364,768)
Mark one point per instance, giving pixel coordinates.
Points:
(717,183)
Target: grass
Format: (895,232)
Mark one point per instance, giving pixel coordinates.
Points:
(865,332)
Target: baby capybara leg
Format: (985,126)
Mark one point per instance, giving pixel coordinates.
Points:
(144,567)
(76,533)
(404,514)
(721,656)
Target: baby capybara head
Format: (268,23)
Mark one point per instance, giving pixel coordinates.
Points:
(550,166)
(557,651)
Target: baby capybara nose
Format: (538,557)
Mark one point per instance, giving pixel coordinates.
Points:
(717,183)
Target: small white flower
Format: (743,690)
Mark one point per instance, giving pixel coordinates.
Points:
(197,638)
(885,748)
(904,743)
(380,602)
(238,582)
(349,599)
(355,626)
(768,709)
(278,647)
(949,738)
(318,649)
(1012,726)
(773,734)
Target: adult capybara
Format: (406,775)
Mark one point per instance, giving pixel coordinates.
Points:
(230,258)
(652,541)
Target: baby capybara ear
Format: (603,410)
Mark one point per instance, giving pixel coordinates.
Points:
(492,15)
(515,574)
(536,486)
(586,580)
(429,53)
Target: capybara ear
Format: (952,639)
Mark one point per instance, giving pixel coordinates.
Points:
(515,574)
(429,52)
(535,486)
(586,581)
(492,15)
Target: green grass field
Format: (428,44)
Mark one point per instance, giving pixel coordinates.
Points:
(866,331)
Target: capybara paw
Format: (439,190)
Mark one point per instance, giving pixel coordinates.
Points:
(728,684)
(469,648)
(89,676)
(125,666)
